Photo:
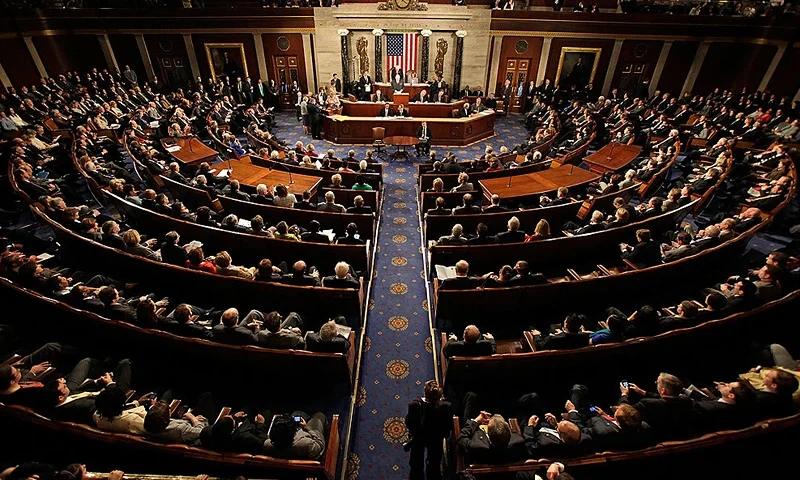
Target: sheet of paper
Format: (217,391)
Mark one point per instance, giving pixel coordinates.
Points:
(244,223)
(329,234)
(443,273)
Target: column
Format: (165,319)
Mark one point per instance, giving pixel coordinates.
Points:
(187,40)
(4,80)
(772,67)
(148,65)
(345,61)
(35,55)
(460,34)
(543,58)
(379,55)
(108,52)
(662,60)
(694,70)
(612,66)
(311,77)
(495,65)
(426,53)
(261,58)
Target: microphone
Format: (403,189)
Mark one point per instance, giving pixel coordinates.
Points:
(286,168)
(509,181)
(570,169)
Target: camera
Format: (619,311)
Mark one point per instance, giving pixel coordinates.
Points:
(407,445)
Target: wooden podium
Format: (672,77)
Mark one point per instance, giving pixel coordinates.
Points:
(401,98)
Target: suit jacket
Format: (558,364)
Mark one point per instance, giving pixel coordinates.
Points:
(772,405)
(304,281)
(307,445)
(424,132)
(543,441)
(314,343)
(387,112)
(463,113)
(470,210)
(282,339)
(249,437)
(484,240)
(173,254)
(670,417)
(439,211)
(459,283)
(458,348)
(238,335)
(528,279)
(475,444)
(314,237)
(562,341)
(334,282)
(680,252)
(607,435)
(510,237)
(366,209)
(644,253)
(714,416)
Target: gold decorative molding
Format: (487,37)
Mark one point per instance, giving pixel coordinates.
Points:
(403,5)
(613,36)
(131,31)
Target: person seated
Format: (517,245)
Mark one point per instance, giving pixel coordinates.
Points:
(775,387)
(359,207)
(18,384)
(171,252)
(299,277)
(266,272)
(461,281)
(342,278)
(330,204)
(186,322)
(297,440)
(550,437)
(233,332)
(402,111)
(495,206)
(668,412)
(132,240)
(186,430)
(196,260)
(646,253)
(233,190)
(361,184)
(466,208)
(306,203)
(351,236)
(223,263)
(111,415)
(571,335)
(513,234)
(482,236)
(625,430)
(281,333)
(313,235)
(651,209)
(680,249)
(464,185)
(472,344)
(262,195)
(562,197)
(596,224)
(440,208)
(236,433)
(686,317)
(731,410)
(175,174)
(328,339)
(284,232)
(455,238)
(502,279)
(497,444)
(386,111)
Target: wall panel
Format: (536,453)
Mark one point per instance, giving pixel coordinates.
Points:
(126,51)
(785,80)
(679,61)
(169,59)
(605,56)
(637,59)
(518,48)
(734,66)
(61,53)
(17,62)
(200,40)
(294,47)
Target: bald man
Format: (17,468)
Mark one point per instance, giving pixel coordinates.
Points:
(473,344)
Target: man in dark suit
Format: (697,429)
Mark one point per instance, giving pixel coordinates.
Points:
(386,111)
(315,118)
(305,203)
(513,234)
(111,236)
(424,135)
(342,278)
(668,412)
(774,398)
(171,252)
(175,174)
(731,410)
(550,437)
(524,276)
(473,344)
(440,208)
(299,277)
(482,236)
(71,398)
(570,336)
(498,444)
(646,253)
(351,236)
(462,280)
(465,111)
(233,332)
(327,340)
(365,86)
(467,208)
(313,235)
(336,82)
(495,206)
(359,207)
(625,430)
(185,322)
(505,94)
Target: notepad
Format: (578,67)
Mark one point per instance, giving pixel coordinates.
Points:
(225,173)
(443,273)
(43,257)
(343,330)
(173,148)
(244,223)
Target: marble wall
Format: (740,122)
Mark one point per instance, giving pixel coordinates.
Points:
(443,20)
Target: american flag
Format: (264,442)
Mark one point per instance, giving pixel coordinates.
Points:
(401,51)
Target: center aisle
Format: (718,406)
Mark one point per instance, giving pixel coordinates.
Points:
(397,358)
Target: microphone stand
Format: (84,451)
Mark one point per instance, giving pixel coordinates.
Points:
(285,168)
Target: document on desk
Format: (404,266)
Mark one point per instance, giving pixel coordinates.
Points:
(244,223)
(329,233)
(173,148)
(225,173)
(343,330)
(443,273)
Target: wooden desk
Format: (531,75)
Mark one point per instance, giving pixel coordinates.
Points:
(445,131)
(193,151)
(373,109)
(535,184)
(412,89)
(401,143)
(249,174)
(612,157)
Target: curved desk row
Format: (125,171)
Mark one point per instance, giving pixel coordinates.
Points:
(373,109)
(456,132)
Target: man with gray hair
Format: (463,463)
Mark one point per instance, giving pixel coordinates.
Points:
(498,444)
(330,204)
(328,340)
(342,278)
(513,234)
(669,412)
(455,238)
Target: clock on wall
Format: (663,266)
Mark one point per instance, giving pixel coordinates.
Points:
(402,4)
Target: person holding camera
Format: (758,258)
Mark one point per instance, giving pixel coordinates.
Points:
(429,422)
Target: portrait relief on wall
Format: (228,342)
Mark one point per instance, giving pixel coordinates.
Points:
(441,51)
(363,56)
(577,66)
(226,59)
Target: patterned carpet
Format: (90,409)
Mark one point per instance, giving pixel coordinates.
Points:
(396,359)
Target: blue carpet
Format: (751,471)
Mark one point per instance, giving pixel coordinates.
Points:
(396,359)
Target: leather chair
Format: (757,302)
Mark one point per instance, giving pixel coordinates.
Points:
(378,133)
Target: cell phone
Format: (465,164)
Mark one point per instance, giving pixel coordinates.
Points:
(592,409)
(152,396)
(625,383)
(297,419)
